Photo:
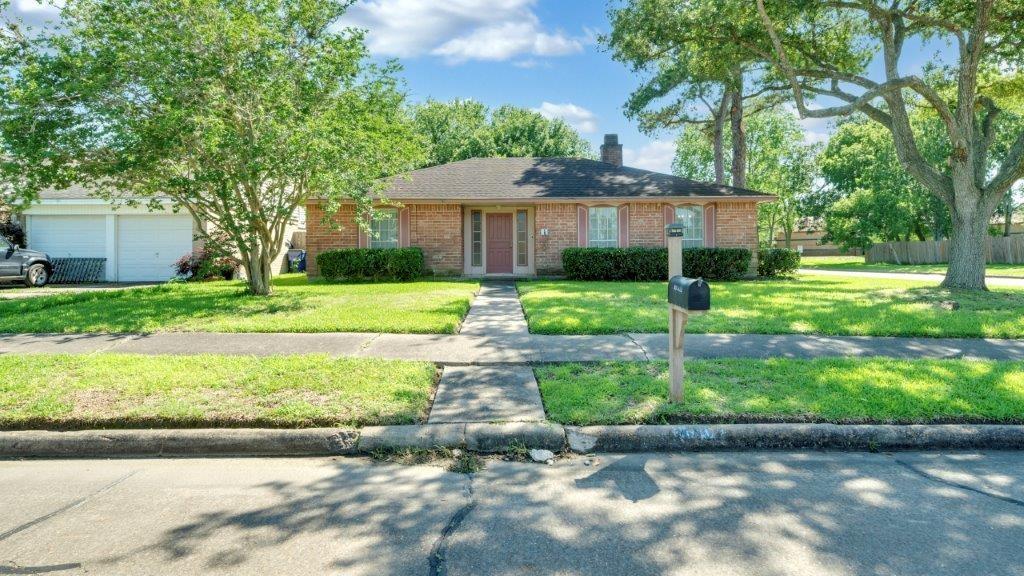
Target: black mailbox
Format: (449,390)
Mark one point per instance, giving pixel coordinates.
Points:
(689,293)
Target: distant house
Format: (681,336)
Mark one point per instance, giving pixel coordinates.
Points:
(514,216)
(138,245)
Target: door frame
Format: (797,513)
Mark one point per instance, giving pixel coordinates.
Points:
(467,227)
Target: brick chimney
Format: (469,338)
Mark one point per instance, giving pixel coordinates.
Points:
(611,150)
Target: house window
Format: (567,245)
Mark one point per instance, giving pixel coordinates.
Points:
(384,229)
(692,219)
(476,238)
(522,245)
(603,227)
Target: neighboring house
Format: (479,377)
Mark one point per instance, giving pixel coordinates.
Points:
(514,216)
(138,245)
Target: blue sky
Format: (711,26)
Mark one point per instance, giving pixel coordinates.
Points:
(540,54)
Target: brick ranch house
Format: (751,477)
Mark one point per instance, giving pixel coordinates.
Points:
(514,216)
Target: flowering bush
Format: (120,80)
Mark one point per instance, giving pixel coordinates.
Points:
(204,265)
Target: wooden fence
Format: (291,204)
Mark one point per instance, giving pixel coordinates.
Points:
(998,250)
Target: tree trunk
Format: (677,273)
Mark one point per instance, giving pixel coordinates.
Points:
(967,248)
(739,137)
(719,138)
(1008,214)
(258,272)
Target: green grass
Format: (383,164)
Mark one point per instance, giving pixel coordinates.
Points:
(114,391)
(856,264)
(426,307)
(783,390)
(807,304)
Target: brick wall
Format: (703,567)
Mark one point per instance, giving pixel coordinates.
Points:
(736,227)
(436,228)
(320,236)
(560,220)
(646,224)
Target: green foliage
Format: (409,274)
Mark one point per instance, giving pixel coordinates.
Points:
(463,129)
(773,262)
(651,264)
(615,263)
(371,263)
(869,196)
(778,162)
(237,111)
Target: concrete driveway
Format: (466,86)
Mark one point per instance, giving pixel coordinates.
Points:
(719,513)
(15,290)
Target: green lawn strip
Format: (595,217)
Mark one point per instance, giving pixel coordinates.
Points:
(424,307)
(116,391)
(806,304)
(857,264)
(783,390)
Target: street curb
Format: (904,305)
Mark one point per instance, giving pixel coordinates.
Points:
(198,442)
(746,437)
(499,437)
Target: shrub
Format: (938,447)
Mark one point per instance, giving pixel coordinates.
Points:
(651,264)
(12,231)
(204,265)
(772,262)
(371,263)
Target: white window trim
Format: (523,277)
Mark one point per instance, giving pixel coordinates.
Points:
(606,242)
(693,236)
(374,241)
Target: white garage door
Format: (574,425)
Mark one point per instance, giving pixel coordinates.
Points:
(148,246)
(68,236)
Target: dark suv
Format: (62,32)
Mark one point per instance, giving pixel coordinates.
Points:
(31,267)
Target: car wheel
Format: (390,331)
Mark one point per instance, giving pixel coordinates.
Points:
(37,276)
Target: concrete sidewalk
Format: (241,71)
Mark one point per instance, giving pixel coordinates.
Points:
(989,280)
(514,348)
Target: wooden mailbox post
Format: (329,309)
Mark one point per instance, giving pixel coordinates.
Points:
(679,315)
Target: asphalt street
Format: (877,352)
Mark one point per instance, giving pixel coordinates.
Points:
(807,513)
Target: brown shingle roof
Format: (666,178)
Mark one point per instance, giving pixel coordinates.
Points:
(550,178)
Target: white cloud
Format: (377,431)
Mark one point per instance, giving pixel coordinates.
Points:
(576,116)
(458,30)
(657,155)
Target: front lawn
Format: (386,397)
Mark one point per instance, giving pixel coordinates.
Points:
(427,307)
(807,304)
(857,264)
(115,391)
(783,390)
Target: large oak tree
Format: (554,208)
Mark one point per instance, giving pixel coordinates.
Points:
(824,49)
(236,111)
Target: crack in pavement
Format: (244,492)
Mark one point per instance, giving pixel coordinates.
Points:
(934,478)
(70,506)
(647,356)
(438,552)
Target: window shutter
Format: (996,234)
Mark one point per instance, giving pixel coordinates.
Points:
(669,213)
(709,225)
(403,228)
(362,240)
(624,226)
(582,219)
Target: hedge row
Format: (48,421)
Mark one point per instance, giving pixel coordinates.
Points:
(772,262)
(651,264)
(371,263)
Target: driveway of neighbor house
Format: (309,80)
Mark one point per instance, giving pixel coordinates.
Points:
(990,280)
(756,514)
(11,290)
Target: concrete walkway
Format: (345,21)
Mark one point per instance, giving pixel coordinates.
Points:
(989,280)
(461,349)
(488,393)
(496,312)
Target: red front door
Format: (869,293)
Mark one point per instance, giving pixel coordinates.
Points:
(499,243)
